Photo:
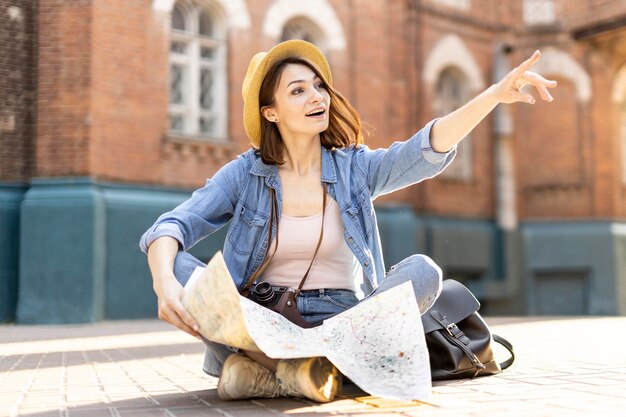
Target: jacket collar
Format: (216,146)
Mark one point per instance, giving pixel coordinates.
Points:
(270,172)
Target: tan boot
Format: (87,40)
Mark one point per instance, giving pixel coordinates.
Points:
(243,378)
(314,378)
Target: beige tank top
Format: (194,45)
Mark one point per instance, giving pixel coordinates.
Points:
(334,266)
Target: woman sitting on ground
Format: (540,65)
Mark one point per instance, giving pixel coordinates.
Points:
(307,147)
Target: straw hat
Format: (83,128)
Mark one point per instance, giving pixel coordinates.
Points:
(257,70)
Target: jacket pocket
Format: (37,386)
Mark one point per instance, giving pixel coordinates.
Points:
(247,230)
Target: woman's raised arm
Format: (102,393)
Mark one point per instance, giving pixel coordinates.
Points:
(449,130)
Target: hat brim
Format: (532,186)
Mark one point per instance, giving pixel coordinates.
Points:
(287,49)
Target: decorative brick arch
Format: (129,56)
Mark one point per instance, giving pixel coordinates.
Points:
(317,11)
(618,91)
(452,52)
(236,10)
(557,62)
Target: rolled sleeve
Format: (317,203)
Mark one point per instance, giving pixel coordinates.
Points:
(160,230)
(429,153)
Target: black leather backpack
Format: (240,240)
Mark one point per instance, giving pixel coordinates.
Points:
(458,339)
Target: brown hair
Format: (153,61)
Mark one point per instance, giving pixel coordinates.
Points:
(344,125)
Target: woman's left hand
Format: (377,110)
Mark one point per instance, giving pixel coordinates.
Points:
(509,89)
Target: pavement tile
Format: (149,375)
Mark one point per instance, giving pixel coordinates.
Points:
(382,405)
(155,412)
(129,400)
(194,412)
(178,400)
(282,405)
(600,381)
(368,412)
(10,398)
(252,412)
(146,368)
(90,413)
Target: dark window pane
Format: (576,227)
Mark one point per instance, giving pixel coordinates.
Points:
(206,89)
(205,27)
(207,52)
(207,125)
(178,47)
(176,84)
(176,123)
(178,19)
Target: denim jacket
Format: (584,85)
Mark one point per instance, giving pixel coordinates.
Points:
(354,177)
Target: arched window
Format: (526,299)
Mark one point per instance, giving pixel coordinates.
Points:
(303,28)
(452,93)
(197,72)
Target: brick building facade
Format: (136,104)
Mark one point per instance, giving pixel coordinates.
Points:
(112,111)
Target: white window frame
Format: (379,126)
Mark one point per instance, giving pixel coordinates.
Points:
(191,110)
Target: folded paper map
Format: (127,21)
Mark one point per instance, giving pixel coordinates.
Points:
(379,343)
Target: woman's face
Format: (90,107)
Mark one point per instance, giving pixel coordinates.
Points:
(301,103)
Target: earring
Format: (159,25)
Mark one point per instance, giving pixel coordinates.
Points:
(275,120)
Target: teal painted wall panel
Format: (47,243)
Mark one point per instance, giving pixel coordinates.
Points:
(62,242)
(581,253)
(402,233)
(463,247)
(79,259)
(128,283)
(619,235)
(130,212)
(10,200)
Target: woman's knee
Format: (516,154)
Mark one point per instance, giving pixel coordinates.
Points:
(429,272)
(425,275)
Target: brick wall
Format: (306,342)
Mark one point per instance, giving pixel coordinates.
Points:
(103,94)
(65,88)
(579,14)
(605,58)
(129,92)
(444,196)
(18,74)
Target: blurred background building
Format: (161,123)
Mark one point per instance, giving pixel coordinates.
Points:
(112,111)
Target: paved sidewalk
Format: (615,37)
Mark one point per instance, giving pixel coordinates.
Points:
(565,367)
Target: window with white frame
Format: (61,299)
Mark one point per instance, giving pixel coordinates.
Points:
(197,99)
(452,92)
(305,29)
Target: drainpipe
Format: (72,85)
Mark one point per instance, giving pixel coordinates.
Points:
(506,210)
(508,250)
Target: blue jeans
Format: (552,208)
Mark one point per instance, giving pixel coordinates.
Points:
(318,305)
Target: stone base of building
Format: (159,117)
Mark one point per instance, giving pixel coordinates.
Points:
(575,268)
(542,268)
(10,199)
(77,245)
(69,254)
